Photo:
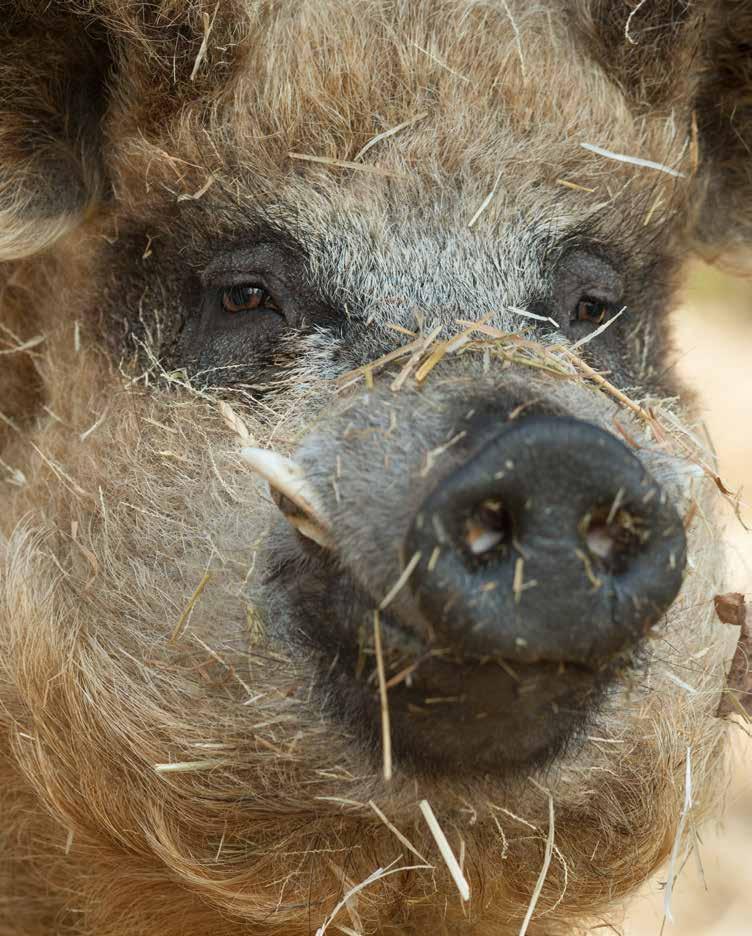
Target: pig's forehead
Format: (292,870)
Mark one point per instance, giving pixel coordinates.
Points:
(513,221)
(488,101)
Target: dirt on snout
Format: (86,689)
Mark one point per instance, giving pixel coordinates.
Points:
(714,339)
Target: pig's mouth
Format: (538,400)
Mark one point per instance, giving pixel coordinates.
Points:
(450,710)
(529,580)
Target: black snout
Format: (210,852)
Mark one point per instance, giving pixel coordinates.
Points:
(551,544)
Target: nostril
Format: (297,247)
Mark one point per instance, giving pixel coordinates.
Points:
(599,541)
(488,529)
(614,535)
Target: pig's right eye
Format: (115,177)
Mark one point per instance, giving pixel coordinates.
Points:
(239,313)
(251,303)
(587,289)
(248,297)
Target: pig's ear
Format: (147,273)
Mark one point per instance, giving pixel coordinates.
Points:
(690,62)
(723,115)
(53,75)
(649,48)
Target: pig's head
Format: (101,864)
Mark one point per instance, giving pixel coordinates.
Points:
(344,464)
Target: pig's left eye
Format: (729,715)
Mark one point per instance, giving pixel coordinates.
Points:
(590,310)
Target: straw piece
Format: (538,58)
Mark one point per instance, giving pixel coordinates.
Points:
(485,203)
(533,315)
(433,359)
(518,582)
(424,344)
(201,54)
(598,331)
(186,766)
(352,901)
(351,376)
(386,733)
(574,185)
(609,388)
(544,869)
(460,340)
(446,852)
(346,164)
(395,831)
(26,345)
(628,24)
(371,879)
(387,133)
(633,160)
(677,840)
(234,421)
(178,629)
(195,196)
(400,583)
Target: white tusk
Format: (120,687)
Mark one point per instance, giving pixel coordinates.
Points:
(287,478)
(310,529)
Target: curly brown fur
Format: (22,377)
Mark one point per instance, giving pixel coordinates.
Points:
(169,761)
(263,828)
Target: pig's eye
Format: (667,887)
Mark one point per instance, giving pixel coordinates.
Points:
(590,310)
(586,291)
(248,297)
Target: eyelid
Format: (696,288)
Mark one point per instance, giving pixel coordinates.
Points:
(582,292)
(591,266)
(227,278)
(599,292)
(240,265)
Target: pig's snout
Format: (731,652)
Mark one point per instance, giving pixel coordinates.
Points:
(552,543)
(532,565)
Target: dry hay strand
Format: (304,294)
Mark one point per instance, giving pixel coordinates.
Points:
(401,582)
(188,610)
(346,164)
(561,362)
(446,850)
(389,133)
(386,732)
(377,875)
(678,839)
(547,855)
(396,832)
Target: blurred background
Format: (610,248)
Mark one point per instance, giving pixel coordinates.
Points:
(714,343)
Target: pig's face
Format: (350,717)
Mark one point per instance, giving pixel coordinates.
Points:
(488,554)
(540,549)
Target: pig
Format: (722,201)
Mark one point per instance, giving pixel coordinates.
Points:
(358,543)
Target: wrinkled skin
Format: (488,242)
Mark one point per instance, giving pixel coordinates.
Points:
(193,738)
